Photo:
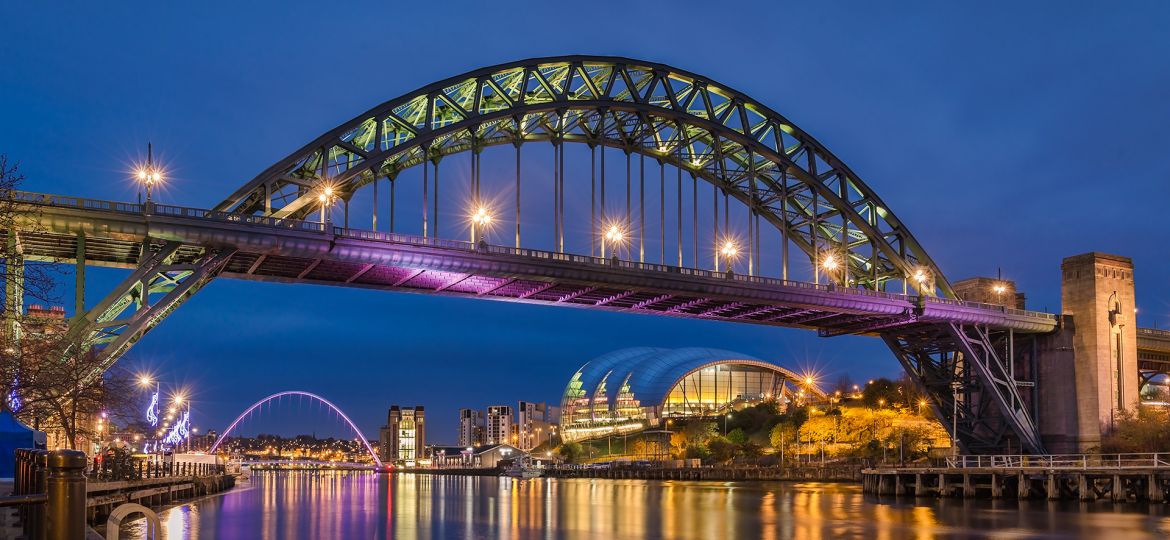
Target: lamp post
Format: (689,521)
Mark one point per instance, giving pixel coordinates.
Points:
(615,236)
(148,175)
(830,264)
(727,251)
(480,220)
(327,197)
(922,277)
(999,289)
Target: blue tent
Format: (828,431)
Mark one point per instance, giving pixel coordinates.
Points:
(13,435)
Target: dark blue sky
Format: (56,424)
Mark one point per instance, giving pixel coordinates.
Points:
(1003,134)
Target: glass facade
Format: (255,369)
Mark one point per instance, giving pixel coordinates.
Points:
(712,390)
(634,389)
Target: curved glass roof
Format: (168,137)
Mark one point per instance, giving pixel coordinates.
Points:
(651,372)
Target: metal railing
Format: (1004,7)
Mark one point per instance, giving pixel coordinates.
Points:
(1062,461)
(49,491)
(407,239)
(105,471)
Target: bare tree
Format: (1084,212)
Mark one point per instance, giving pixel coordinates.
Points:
(54,386)
(20,280)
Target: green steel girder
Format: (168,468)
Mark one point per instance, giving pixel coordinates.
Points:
(708,129)
(156,288)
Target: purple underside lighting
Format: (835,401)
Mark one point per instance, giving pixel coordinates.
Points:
(311,395)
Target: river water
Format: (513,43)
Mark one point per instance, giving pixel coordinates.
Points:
(358,505)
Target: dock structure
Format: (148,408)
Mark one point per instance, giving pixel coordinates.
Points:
(1086,478)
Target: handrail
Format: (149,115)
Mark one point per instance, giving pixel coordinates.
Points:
(1063,461)
(23,500)
(151,208)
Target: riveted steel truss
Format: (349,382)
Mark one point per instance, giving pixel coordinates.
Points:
(167,274)
(974,377)
(715,133)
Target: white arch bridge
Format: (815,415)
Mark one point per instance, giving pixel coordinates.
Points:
(747,219)
(357,432)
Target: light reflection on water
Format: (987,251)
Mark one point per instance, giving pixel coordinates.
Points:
(344,505)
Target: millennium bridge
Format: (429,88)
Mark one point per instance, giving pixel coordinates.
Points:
(752,219)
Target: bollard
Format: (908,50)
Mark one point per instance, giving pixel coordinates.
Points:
(35,526)
(66,494)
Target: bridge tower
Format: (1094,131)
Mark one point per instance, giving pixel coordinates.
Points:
(1089,370)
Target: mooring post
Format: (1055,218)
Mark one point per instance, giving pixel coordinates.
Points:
(65,488)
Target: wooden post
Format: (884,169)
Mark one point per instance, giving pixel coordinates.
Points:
(1084,493)
(996,486)
(1023,489)
(1153,488)
(1050,485)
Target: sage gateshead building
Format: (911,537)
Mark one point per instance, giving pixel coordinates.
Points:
(629,390)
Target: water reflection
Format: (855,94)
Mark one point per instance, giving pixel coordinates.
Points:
(279,505)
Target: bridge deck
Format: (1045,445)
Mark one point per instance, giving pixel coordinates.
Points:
(284,250)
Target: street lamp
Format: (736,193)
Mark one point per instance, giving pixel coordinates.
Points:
(729,250)
(921,277)
(327,197)
(480,221)
(999,289)
(148,175)
(615,236)
(830,264)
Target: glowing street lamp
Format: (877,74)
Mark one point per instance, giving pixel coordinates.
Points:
(999,289)
(729,251)
(145,381)
(614,236)
(481,220)
(830,264)
(148,175)
(327,197)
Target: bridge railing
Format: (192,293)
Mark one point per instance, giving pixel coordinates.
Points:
(228,217)
(73,202)
(1063,461)
(1153,332)
(399,238)
(990,307)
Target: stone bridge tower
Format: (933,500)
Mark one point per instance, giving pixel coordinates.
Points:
(1088,371)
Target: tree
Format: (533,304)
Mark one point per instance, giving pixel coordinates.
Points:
(571,451)
(699,432)
(1145,430)
(722,450)
(844,385)
(881,393)
(782,435)
(737,436)
(62,387)
(698,451)
(20,280)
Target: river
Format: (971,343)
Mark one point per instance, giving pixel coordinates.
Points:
(359,505)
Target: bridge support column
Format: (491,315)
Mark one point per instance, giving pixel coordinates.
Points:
(79,279)
(13,288)
(1089,370)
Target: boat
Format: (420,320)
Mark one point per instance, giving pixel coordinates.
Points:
(523,468)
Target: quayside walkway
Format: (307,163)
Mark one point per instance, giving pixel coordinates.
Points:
(1083,477)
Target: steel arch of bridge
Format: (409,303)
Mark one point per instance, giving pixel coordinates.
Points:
(692,123)
(320,399)
(712,131)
